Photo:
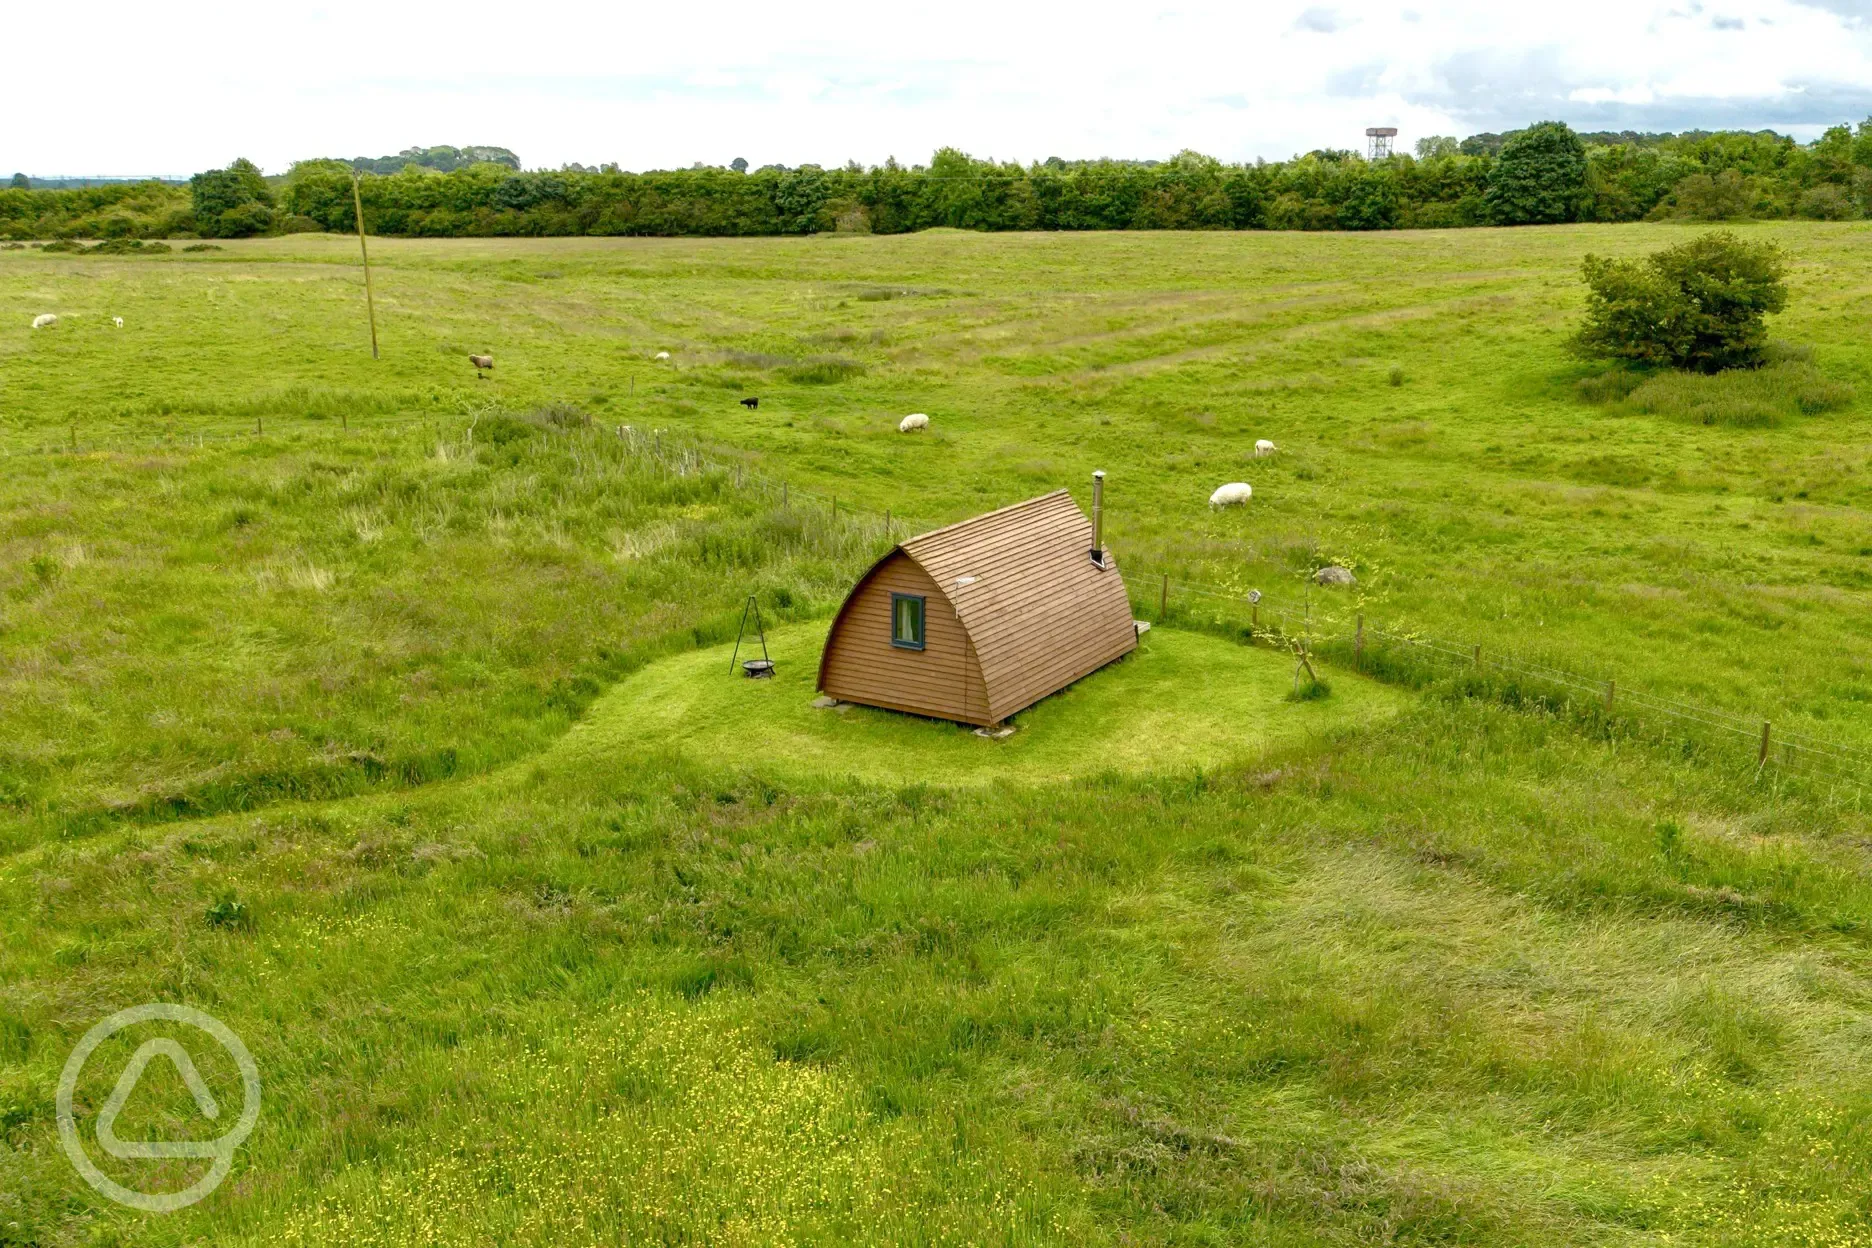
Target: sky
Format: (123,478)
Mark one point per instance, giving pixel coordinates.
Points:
(667,85)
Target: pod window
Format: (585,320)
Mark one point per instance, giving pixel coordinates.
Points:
(907,621)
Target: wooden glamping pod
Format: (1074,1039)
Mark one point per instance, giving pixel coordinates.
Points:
(984,618)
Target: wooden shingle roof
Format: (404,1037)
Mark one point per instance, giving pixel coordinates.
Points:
(1038,611)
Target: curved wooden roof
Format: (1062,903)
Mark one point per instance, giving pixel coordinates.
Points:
(1038,613)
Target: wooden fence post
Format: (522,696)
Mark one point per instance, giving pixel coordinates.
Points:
(370,300)
(1358,645)
(1762,758)
(1611,692)
(259,428)
(1478,656)
(1163,597)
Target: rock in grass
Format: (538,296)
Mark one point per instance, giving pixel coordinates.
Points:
(1333,574)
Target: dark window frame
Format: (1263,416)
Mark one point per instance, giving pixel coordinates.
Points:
(922,621)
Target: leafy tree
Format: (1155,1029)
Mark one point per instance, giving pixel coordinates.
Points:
(738,164)
(1438,147)
(1698,305)
(234,202)
(1540,177)
(1726,197)
(21,182)
(442,159)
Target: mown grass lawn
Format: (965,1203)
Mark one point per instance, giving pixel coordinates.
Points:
(391,723)
(1181,703)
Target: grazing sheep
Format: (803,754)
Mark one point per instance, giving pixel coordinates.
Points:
(117,321)
(1264,448)
(662,355)
(484,364)
(1333,574)
(913,422)
(1231,494)
(750,403)
(44,321)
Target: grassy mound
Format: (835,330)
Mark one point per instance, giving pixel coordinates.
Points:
(1182,701)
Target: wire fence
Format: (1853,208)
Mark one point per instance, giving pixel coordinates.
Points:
(1333,631)
(1343,635)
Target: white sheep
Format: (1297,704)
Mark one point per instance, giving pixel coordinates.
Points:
(44,320)
(117,321)
(1264,448)
(662,355)
(913,422)
(1231,494)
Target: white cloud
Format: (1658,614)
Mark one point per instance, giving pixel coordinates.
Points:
(663,86)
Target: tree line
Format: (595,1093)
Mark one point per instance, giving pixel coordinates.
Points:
(1546,173)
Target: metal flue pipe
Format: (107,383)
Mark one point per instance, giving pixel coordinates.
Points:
(1098,518)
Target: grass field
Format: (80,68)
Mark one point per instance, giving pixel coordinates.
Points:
(384,714)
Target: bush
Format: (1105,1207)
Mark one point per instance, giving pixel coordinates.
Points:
(245,221)
(1698,305)
(1726,197)
(127,247)
(1828,202)
(294,223)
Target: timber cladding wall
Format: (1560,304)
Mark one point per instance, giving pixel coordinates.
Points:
(1015,610)
(861,665)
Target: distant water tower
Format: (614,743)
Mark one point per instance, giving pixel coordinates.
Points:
(1378,138)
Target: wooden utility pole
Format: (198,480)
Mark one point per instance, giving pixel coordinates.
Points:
(370,300)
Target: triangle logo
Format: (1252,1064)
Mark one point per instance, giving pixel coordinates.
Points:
(127,1084)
